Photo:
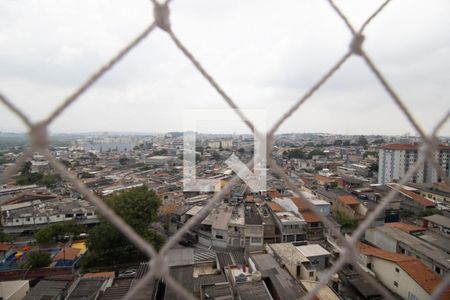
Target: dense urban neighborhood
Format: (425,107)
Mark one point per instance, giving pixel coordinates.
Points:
(270,244)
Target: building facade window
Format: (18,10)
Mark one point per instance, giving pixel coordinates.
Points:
(256,240)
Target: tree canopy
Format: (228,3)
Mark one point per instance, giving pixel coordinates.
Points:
(296,153)
(4,237)
(362,141)
(345,221)
(316,152)
(37,259)
(58,231)
(138,207)
(27,177)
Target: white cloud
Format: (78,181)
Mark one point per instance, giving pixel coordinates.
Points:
(263,53)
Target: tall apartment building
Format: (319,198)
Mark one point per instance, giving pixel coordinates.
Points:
(395,160)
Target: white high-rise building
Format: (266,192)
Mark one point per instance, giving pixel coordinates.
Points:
(396,159)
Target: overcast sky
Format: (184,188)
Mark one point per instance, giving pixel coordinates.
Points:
(265,54)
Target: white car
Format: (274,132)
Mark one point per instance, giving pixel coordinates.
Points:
(127,273)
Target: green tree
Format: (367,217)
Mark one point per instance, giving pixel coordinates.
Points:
(160,152)
(124,160)
(26,168)
(405,214)
(373,167)
(362,141)
(199,149)
(45,235)
(215,155)
(346,143)
(56,232)
(4,237)
(378,141)
(30,178)
(138,207)
(66,163)
(345,221)
(86,175)
(296,153)
(48,180)
(37,259)
(430,211)
(316,152)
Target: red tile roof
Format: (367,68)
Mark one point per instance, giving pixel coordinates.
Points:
(300,203)
(275,207)
(323,179)
(400,147)
(99,275)
(424,277)
(274,194)
(310,217)
(347,200)
(306,180)
(67,254)
(5,247)
(417,198)
(405,227)
(380,253)
(409,147)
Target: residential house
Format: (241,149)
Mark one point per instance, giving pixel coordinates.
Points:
(90,286)
(270,232)
(412,201)
(253,230)
(280,284)
(349,206)
(49,288)
(314,226)
(32,215)
(397,241)
(316,254)
(403,275)
(292,260)
(290,226)
(213,230)
(438,223)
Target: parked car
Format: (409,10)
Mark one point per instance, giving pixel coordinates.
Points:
(127,273)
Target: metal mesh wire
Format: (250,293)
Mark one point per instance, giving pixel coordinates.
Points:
(159,267)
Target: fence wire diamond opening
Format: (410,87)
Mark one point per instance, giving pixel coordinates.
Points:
(39,142)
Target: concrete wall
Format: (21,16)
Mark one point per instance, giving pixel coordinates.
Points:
(14,290)
(318,262)
(381,241)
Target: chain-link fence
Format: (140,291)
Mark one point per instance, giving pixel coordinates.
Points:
(39,142)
